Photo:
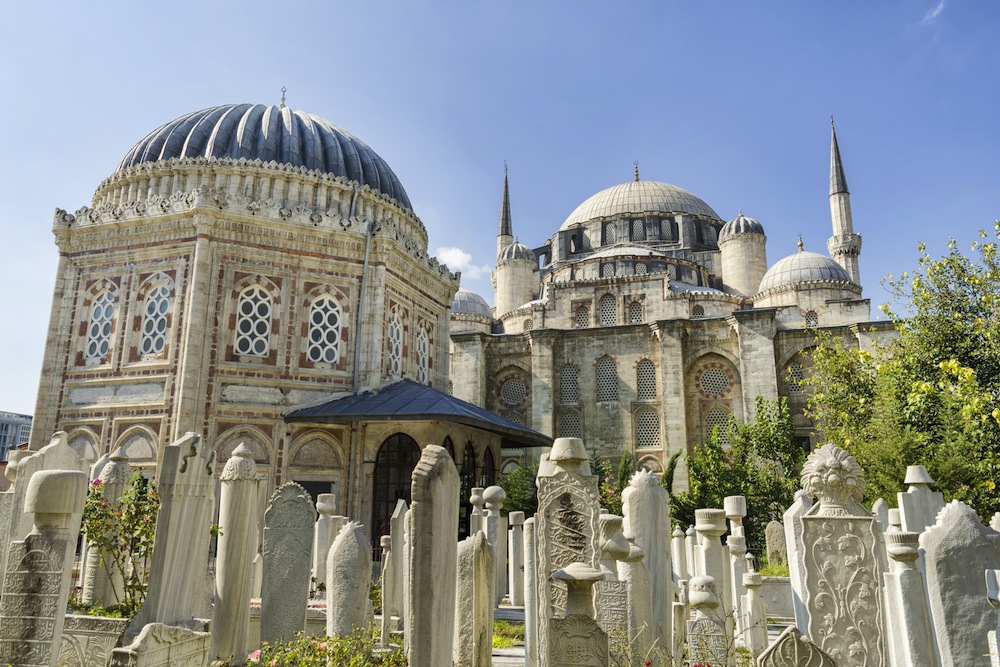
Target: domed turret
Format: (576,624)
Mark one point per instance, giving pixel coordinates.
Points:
(516,250)
(743,249)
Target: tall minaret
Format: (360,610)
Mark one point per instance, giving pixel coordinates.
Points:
(506,235)
(844,245)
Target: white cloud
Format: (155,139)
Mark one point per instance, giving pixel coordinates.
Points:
(931,16)
(459,260)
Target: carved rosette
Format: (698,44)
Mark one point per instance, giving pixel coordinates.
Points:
(834,477)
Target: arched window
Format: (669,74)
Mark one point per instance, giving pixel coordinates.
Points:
(647,428)
(102,313)
(467,480)
(609,233)
(812,319)
(645,380)
(569,385)
(449,446)
(581,318)
(154,321)
(253,322)
(569,425)
(635,312)
(608,270)
(423,357)
(527,325)
(609,310)
(795,378)
(607,380)
(488,475)
(640,268)
(638,230)
(325,320)
(395,361)
(697,312)
(717,417)
(715,383)
(394,464)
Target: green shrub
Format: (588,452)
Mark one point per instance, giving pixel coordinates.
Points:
(360,649)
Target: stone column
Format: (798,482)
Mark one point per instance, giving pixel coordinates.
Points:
(348,579)
(577,634)
(496,533)
(515,553)
(36,588)
(396,564)
(707,640)
(908,618)
(323,535)
(258,576)
(646,505)
(638,591)
(433,526)
(919,506)
(679,640)
(287,553)
(476,518)
(530,594)
(103,579)
(755,638)
(473,605)
(690,547)
(387,585)
(234,563)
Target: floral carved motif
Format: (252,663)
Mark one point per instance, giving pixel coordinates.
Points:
(794,648)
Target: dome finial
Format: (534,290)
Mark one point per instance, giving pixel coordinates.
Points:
(636,163)
(283,91)
(801,245)
(741,214)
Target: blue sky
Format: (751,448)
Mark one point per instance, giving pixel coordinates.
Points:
(729,100)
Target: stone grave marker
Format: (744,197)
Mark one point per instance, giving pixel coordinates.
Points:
(576,639)
(919,506)
(793,649)
(348,582)
(473,605)
(287,553)
(774,539)
(706,633)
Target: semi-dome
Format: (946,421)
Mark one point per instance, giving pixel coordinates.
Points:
(637,197)
(803,267)
(258,131)
(517,250)
(740,225)
(470,303)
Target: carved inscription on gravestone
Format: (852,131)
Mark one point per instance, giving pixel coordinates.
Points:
(570,542)
(613,614)
(577,641)
(287,553)
(707,642)
(30,602)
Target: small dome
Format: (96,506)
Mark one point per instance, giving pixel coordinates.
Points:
(637,197)
(258,131)
(740,225)
(517,251)
(803,267)
(470,303)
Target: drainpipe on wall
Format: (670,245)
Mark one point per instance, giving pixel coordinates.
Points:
(352,467)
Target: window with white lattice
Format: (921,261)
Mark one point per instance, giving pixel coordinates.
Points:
(423,357)
(608,270)
(668,230)
(645,380)
(528,325)
(717,418)
(513,391)
(609,310)
(715,382)
(581,318)
(570,425)
(640,268)
(569,385)
(154,321)
(609,233)
(795,377)
(607,380)
(647,428)
(812,319)
(638,230)
(697,312)
(325,320)
(516,417)
(102,315)
(395,347)
(253,322)
(635,313)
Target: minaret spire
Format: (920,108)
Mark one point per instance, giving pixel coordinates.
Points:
(506,235)
(844,245)
(838,181)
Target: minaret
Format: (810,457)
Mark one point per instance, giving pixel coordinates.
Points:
(844,245)
(506,235)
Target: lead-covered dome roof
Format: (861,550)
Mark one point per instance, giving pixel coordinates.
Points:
(741,224)
(470,303)
(258,131)
(637,197)
(517,250)
(803,267)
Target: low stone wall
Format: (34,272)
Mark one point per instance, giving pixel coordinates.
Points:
(87,640)
(777,595)
(315,621)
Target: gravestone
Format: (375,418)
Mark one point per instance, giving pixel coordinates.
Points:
(678,558)
(287,553)
(774,538)
(473,605)
(576,639)
(159,645)
(37,581)
(103,582)
(919,506)
(958,550)
(612,593)
(646,505)
(880,509)
(566,529)
(840,549)
(433,526)
(323,536)
(793,649)
(755,638)
(632,572)
(530,594)
(706,633)
(495,527)
(393,601)
(348,582)
(908,623)
(386,628)
(796,553)
(515,552)
(993,597)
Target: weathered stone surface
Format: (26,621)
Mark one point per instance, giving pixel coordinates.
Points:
(796,554)
(706,632)
(287,554)
(958,550)
(646,506)
(323,535)
(908,625)
(433,526)
(919,506)
(577,639)
(348,581)
(793,649)
(473,605)
(530,594)
(755,623)
(396,563)
(633,574)
(774,538)
(612,594)
(160,645)
(88,640)
(515,553)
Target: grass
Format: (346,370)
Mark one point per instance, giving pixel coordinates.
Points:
(507,634)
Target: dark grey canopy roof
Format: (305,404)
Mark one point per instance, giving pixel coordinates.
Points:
(407,400)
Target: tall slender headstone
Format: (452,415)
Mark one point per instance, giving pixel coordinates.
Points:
(796,555)
(755,637)
(678,560)
(37,582)
(646,505)
(841,554)
(477,502)
(433,526)
(712,559)
(387,585)
(632,572)
(612,593)
(393,600)
(515,552)
(530,594)
(566,529)
(496,534)
(473,604)
(103,579)
(287,553)
(690,549)
(736,509)
(909,620)
(183,533)
(774,538)
(919,506)
(348,581)
(234,562)
(576,639)
(323,536)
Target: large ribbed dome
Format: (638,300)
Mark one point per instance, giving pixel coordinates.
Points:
(258,131)
(803,267)
(470,303)
(639,197)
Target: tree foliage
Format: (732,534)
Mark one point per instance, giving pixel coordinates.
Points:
(930,395)
(519,483)
(761,463)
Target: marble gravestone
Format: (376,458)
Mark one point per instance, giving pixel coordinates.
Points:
(473,605)
(706,632)
(576,639)
(919,506)
(795,552)
(348,581)
(793,649)
(774,538)
(287,553)
(612,593)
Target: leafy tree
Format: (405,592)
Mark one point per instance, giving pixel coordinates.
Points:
(522,495)
(930,395)
(761,463)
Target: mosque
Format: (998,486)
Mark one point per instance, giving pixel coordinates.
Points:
(256,274)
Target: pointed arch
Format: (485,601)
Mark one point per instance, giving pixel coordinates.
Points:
(139,444)
(607,379)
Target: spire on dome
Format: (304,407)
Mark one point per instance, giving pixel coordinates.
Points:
(283,91)
(636,163)
(506,228)
(838,182)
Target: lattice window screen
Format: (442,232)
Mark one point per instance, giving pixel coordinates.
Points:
(717,417)
(697,312)
(608,270)
(513,391)
(570,425)
(645,380)
(99,332)
(715,382)
(638,230)
(607,380)
(812,319)
(154,322)
(635,313)
(640,268)
(569,385)
(795,377)
(423,357)
(395,346)
(609,310)
(609,233)
(581,319)
(253,322)
(647,429)
(324,331)
(528,325)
